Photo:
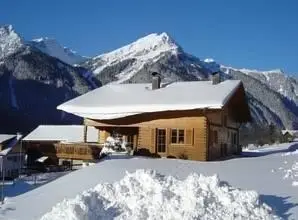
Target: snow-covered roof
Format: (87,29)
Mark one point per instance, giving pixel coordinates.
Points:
(5,151)
(68,133)
(6,137)
(291,132)
(42,159)
(120,100)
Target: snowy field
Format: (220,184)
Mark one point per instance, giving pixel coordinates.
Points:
(28,183)
(263,184)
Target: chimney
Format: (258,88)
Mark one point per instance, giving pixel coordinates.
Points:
(215,78)
(155,80)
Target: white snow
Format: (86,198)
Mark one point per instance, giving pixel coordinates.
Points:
(209,60)
(6,137)
(114,145)
(146,194)
(54,49)
(290,153)
(251,72)
(289,165)
(27,183)
(42,159)
(253,171)
(5,151)
(69,133)
(291,132)
(10,41)
(143,50)
(119,100)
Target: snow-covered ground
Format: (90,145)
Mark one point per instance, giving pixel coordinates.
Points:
(271,172)
(28,183)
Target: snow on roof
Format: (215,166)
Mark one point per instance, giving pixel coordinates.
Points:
(69,133)
(120,100)
(5,151)
(6,137)
(42,159)
(291,132)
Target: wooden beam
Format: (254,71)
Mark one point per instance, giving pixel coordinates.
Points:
(182,122)
(85,133)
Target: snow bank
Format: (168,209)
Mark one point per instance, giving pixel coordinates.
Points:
(290,153)
(146,194)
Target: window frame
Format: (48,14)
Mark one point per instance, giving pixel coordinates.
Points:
(177,136)
(161,141)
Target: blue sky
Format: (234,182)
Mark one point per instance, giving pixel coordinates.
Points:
(259,34)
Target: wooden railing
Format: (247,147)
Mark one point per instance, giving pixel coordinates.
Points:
(78,151)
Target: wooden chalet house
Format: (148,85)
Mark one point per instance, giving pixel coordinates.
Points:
(197,120)
(12,156)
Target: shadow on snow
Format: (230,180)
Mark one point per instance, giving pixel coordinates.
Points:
(280,205)
(271,150)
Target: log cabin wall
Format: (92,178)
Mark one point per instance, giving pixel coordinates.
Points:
(223,130)
(191,123)
(194,131)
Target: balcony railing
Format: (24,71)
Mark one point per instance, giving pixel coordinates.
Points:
(78,151)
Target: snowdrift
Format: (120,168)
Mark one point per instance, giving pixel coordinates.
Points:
(145,194)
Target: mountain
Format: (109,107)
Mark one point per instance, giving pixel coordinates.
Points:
(10,41)
(272,95)
(269,104)
(33,83)
(54,49)
(276,79)
(38,75)
(134,62)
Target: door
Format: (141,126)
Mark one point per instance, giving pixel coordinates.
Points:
(161,141)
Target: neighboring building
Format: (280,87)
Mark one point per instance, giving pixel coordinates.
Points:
(197,120)
(11,155)
(290,135)
(55,143)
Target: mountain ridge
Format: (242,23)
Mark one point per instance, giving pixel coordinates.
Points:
(272,95)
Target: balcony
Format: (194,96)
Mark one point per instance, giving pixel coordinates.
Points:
(77,151)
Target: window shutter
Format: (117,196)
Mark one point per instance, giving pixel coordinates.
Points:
(189,136)
(153,140)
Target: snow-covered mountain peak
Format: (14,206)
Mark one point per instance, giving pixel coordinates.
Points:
(10,41)
(254,71)
(146,47)
(144,50)
(51,47)
(209,60)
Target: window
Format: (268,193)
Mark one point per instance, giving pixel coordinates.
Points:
(177,136)
(161,140)
(129,140)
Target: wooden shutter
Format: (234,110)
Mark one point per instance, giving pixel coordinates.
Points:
(189,136)
(153,140)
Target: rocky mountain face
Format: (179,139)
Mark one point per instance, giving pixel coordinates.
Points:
(38,75)
(267,103)
(9,41)
(53,48)
(135,62)
(33,83)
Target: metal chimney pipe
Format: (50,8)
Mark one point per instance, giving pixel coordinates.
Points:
(215,78)
(156,81)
